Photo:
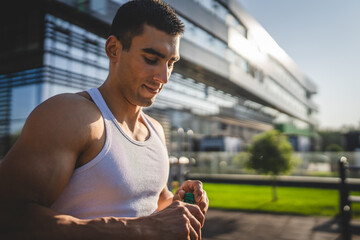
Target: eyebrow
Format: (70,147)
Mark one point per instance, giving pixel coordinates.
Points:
(157,53)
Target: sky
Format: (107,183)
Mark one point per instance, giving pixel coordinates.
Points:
(323,38)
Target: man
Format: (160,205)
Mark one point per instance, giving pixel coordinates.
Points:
(92,165)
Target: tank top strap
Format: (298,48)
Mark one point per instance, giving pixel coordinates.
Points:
(150,125)
(107,114)
(100,103)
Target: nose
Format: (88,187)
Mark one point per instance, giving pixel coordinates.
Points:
(163,74)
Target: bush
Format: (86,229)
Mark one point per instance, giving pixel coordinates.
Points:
(334,148)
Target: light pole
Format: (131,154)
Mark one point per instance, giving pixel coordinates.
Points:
(180,173)
(189,134)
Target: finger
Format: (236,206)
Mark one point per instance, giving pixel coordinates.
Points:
(204,203)
(199,195)
(191,185)
(193,234)
(194,228)
(196,213)
(179,195)
(204,207)
(180,189)
(197,189)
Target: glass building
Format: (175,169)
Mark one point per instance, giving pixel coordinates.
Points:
(232,81)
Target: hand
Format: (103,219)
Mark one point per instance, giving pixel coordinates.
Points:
(178,221)
(196,188)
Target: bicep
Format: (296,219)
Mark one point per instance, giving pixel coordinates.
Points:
(41,162)
(35,175)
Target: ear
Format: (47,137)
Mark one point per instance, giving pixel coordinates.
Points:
(113,48)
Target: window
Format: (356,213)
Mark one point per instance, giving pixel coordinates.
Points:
(24,99)
(73,56)
(203,39)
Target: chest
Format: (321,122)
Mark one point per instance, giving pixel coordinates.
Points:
(124,179)
(135,167)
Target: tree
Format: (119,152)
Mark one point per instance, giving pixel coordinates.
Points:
(270,154)
(334,148)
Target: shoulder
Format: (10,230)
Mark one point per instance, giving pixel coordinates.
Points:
(55,135)
(67,103)
(158,127)
(70,117)
(67,108)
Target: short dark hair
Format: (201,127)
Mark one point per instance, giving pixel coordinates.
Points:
(130,19)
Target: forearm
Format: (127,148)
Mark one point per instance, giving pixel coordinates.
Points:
(165,199)
(40,222)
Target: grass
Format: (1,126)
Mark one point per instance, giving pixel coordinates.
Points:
(322,174)
(291,200)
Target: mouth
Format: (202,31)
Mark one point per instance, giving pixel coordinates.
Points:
(152,89)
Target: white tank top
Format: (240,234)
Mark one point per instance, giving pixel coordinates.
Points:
(124,180)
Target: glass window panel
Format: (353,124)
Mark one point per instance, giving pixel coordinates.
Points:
(60,62)
(16,126)
(91,56)
(104,62)
(90,70)
(65,24)
(58,89)
(120,1)
(203,39)
(47,43)
(76,67)
(58,21)
(76,52)
(47,59)
(77,29)
(61,46)
(91,36)
(98,6)
(24,100)
(233,22)
(102,74)
(49,17)
(102,42)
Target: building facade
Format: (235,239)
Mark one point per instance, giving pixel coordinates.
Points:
(232,81)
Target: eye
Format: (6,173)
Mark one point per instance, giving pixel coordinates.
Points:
(150,61)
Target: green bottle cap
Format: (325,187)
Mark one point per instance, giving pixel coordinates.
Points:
(189,198)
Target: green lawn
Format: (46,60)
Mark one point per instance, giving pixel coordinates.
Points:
(294,200)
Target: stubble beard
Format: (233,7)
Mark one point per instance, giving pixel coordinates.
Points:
(148,102)
(144,102)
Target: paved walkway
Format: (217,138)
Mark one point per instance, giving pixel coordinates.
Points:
(236,225)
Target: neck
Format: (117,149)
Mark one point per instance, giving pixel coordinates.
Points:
(124,112)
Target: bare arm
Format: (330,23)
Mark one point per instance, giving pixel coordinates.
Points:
(36,170)
(165,199)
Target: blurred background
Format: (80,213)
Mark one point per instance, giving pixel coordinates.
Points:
(233,80)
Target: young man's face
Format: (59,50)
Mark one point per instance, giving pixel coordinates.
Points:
(143,70)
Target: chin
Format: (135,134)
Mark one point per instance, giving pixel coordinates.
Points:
(144,101)
(147,102)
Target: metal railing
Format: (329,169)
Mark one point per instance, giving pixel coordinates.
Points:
(346,199)
(315,164)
